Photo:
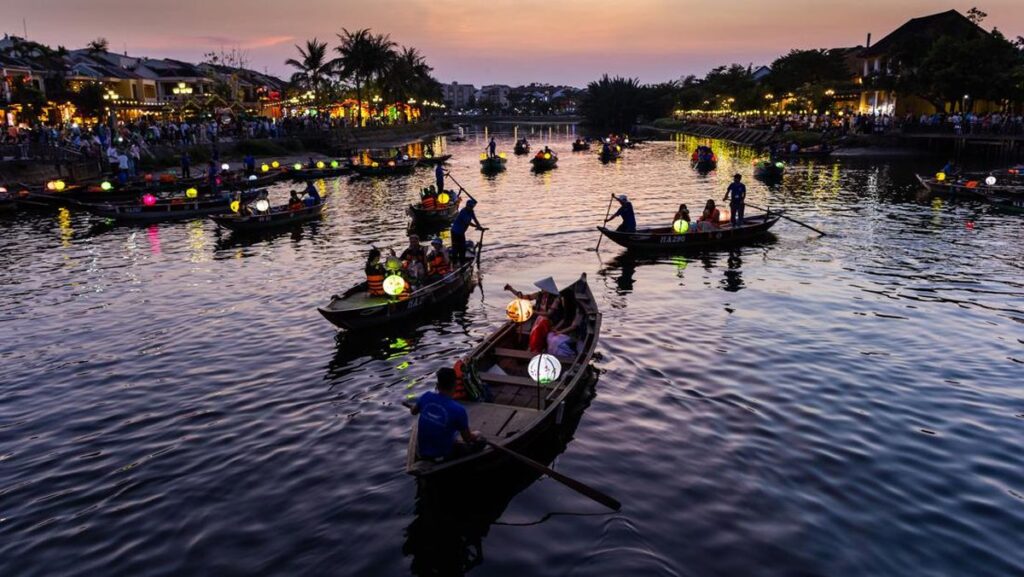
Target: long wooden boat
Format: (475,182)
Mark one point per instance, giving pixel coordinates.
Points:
(78,194)
(166,209)
(665,239)
(516,410)
(610,154)
(386,167)
(277,217)
(970,187)
(332,169)
(493,164)
(804,153)
(434,160)
(438,216)
(522,147)
(544,161)
(356,309)
(768,170)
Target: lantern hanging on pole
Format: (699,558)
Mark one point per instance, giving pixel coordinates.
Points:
(544,368)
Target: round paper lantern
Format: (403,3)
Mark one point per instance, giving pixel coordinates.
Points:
(191,193)
(547,156)
(443,198)
(225,166)
(105,185)
(544,368)
(374,164)
(940,176)
(52,185)
(391,163)
(991,181)
(334,164)
(263,205)
(393,264)
(252,177)
(264,167)
(779,165)
(320,164)
(235,205)
(297,166)
(502,155)
(681,226)
(405,157)
(519,310)
(483,156)
(148,199)
(394,285)
(3,190)
(275,164)
(59,185)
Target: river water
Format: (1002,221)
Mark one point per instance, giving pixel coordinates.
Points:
(171,403)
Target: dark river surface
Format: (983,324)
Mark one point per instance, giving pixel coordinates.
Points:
(171,402)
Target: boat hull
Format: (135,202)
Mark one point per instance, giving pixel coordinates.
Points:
(265,222)
(666,240)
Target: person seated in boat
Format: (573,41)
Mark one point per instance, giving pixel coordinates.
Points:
(709,218)
(374,274)
(428,198)
(312,195)
(441,420)
(414,259)
(294,202)
(545,299)
(682,214)
(567,318)
(438,263)
(539,331)
(547,150)
(626,213)
(311,163)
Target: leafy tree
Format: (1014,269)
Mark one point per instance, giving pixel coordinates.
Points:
(613,103)
(88,99)
(408,76)
(804,68)
(31,99)
(98,45)
(364,56)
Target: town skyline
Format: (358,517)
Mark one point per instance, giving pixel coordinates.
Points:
(655,40)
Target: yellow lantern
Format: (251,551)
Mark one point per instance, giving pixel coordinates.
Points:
(940,176)
(443,198)
(547,156)
(191,193)
(483,156)
(519,310)
(681,226)
(297,166)
(264,167)
(105,185)
(394,285)
(502,155)
(235,205)
(375,164)
(275,164)
(59,185)
(320,164)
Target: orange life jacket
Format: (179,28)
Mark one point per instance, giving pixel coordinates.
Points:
(429,203)
(405,293)
(375,285)
(438,265)
(460,380)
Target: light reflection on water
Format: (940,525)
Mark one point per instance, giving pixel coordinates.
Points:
(845,405)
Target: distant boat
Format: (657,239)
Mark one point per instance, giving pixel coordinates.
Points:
(277,217)
(544,160)
(492,164)
(521,147)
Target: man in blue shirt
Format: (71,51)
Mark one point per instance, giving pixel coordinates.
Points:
(736,194)
(439,176)
(312,195)
(441,418)
(250,164)
(460,225)
(626,212)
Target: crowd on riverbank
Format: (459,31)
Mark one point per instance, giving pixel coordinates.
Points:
(852,124)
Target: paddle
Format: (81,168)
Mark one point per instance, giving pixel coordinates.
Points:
(803,224)
(606,213)
(461,188)
(578,486)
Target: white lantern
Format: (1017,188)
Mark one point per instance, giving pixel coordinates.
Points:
(991,181)
(225,166)
(263,205)
(544,368)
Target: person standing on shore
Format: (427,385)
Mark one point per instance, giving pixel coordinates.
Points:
(736,194)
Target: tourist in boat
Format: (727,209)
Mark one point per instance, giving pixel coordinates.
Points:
(374,274)
(312,195)
(682,214)
(709,218)
(736,194)
(950,169)
(545,299)
(626,213)
(462,222)
(539,332)
(294,202)
(438,263)
(414,259)
(441,419)
(439,177)
(250,165)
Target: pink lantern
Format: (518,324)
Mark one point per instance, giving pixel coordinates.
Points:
(148,199)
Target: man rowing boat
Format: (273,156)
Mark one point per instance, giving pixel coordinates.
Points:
(441,419)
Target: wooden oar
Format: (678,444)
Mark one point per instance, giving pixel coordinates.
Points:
(461,188)
(606,213)
(803,224)
(579,487)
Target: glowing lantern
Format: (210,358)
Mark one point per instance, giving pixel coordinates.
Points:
(334,164)
(191,193)
(391,163)
(547,156)
(252,177)
(225,166)
(375,164)
(779,165)
(264,167)
(394,285)
(297,166)
(52,185)
(544,368)
(148,177)
(681,226)
(502,155)
(443,198)
(263,205)
(393,264)
(940,176)
(991,181)
(405,157)
(3,190)
(59,185)
(320,164)
(235,205)
(483,156)
(275,164)
(105,185)
(148,199)
(519,310)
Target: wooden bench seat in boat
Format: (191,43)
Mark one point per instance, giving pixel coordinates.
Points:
(526,355)
(499,420)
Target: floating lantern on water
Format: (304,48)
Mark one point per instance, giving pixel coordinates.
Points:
(191,193)
(105,185)
(148,199)
(334,164)
(544,368)
(263,205)
(393,264)
(235,205)
(320,164)
(297,166)
(275,164)
(519,310)
(264,167)
(991,181)
(681,226)
(225,166)
(940,176)
(443,198)
(394,285)
(59,185)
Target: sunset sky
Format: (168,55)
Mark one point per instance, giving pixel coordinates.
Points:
(496,41)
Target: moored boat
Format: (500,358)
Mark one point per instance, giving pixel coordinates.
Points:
(153,209)
(510,409)
(431,160)
(276,217)
(319,169)
(357,309)
(668,240)
(386,167)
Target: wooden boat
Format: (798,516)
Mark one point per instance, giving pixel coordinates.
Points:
(165,209)
(356,309)
(493,163)
(667,240)
(1006,197)
(8,201)
(703,159)
(438,216)
(434,160)
(611,153)
(332,169)
(386,167)
(768,170)
(544,161)
(521,147)
(277,217)
(517,411)
(580,146)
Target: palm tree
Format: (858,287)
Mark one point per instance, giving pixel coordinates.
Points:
(363,57)
(314,69)
(408,76)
